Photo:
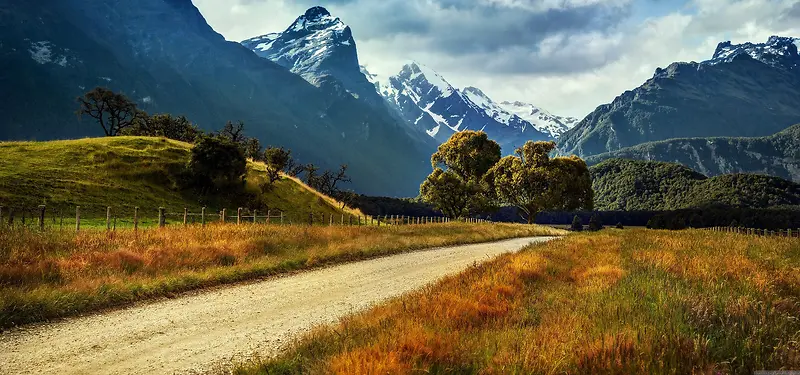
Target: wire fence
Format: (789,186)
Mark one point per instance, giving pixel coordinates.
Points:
(789,233)
(44,218)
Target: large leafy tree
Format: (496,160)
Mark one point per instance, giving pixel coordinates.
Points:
(114,112)
(469,154)
(455,187)
(534,182)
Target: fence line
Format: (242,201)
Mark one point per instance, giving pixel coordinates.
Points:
(40,216)
(789,233)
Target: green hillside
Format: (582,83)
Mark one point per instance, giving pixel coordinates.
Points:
(128,172)
(775,155)
(622,184)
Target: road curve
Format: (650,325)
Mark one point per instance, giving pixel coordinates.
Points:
(213,328)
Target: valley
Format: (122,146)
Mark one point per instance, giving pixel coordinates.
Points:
(277,187)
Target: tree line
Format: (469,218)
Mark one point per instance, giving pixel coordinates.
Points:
(218,159)
(470,177)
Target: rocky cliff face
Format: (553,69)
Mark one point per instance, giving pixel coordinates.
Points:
(164,55)
(744,91)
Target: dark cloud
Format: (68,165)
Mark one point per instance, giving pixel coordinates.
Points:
(464,27)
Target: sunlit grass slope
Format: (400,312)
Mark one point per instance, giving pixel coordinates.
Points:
(621,302)
(128,172)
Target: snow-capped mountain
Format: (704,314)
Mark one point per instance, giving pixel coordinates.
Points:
(428,101)
(320,48)
(542,120)
(778,52)
(744,90)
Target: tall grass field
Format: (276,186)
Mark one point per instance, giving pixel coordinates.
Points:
(613,302)
(55,274)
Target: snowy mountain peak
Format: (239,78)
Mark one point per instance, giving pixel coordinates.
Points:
(316,43)
(315,19)
(542,120)
(425,78)
(778,51)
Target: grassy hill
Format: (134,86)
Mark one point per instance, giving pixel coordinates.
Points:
(621,184)
(128,172)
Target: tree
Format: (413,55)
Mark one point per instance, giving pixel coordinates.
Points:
(595,223)
(533,182)
(451,195)
(455,187)
(164,125)
(577,224)
(277,161)
(217,163)
(114,112)
(469,154)
(234,133)
(252,149)
(328,182)
(312,178)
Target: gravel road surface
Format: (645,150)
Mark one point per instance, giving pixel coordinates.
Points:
(214,328)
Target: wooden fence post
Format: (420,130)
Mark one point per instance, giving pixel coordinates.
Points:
(136,218)
(342,223)
(162,217)
(108,218)
(269,216)
(239,216)
(202,216)
(42,208)
(77,218)
(255,216)
(224,214)
(281,217)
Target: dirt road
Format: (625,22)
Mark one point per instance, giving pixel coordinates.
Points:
(209,329)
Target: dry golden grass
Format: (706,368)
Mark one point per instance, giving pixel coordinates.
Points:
(614,302)
(53,274)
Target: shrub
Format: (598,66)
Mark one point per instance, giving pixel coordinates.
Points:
(217,163)
(577,224)
(595,223)
(619,226)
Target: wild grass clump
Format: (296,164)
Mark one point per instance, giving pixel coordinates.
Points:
(613,302)
(54,274)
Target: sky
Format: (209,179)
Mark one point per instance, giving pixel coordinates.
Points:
(566,56)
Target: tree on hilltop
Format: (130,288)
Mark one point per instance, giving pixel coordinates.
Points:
(277,159)
(114,112)
(165,125)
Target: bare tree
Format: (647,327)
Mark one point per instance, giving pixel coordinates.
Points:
(234,132)
(114,112)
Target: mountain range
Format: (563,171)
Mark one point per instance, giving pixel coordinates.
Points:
(776,155)
(320,48)
(304,88)
(165,56)
(746,90)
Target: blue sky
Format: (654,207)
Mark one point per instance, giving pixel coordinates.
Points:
(567,56)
